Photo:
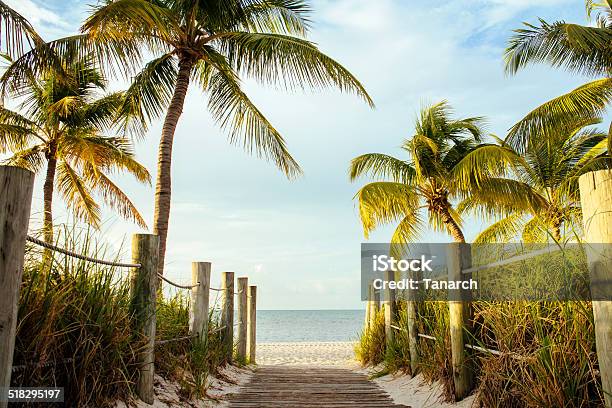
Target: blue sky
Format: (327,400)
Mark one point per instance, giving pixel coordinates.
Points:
(299,241)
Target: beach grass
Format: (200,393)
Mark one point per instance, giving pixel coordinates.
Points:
(75,330)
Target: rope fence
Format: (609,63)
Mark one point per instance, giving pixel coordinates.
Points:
(79,256)
(162,277)
(160,342)
(470,346)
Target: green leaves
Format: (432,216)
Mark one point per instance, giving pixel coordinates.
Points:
(245,124)
(585,102)
(288,61)
(386,202)
(381,166)
(16,33)
(579,49)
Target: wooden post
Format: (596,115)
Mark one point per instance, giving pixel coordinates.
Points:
(198,313)
(375,305)
(459,306)
(389,308)
(227,313)
(411,320)
(241,349)
(252,324)
(369,294)
(143,283)
(16,187)
(596,199)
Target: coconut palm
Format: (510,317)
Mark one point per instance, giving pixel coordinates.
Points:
(213,44)
(541,198)
(61,128)
(439,170)
(577,48)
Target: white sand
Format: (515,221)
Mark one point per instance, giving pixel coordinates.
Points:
(167,392)
(416,393)
(328,354)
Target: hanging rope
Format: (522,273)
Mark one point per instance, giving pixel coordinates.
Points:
(162,277)
(79,256)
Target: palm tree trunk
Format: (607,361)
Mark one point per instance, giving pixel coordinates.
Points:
(164,159)
(452,226)
(48,198)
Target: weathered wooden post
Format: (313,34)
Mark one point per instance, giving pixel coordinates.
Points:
(252,324)
(411,321)
(459,307)
(143,284)
(16,185)
(375,305)
(241,349)
(198,313)
(390,311)
(366,323)
(596,199)
(227,313)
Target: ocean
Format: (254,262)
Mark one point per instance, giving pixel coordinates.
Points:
(275,326)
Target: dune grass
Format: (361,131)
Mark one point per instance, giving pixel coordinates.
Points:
(74,330)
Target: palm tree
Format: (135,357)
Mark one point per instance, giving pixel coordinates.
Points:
(541,199)
(577,48)
(212,43)
(439,170)
(62,124)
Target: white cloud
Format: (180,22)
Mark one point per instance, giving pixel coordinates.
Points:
(37,15)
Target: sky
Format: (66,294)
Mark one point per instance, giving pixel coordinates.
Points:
(299,241)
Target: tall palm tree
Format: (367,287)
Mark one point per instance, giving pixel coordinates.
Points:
(577,48)
(64,117)
(212,43)
(438,171)
(545,201)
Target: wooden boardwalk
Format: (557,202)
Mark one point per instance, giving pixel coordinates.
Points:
(297,387)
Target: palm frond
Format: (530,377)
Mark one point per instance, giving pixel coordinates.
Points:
(384,203)
(579,49)
(291,62)
(562,112)
(150,92)
(381,166)
(18,32)
(32,158)
(76,194)
(289,17)
(502,231)
(113,196)
(235,113)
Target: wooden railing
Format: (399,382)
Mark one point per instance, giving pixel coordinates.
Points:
(16,187)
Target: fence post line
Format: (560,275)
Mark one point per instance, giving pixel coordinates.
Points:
(143,285)
(200,295)
(389,308)
(227,313)
(459,307)
(252,324)
(596,200)
(243,288)
(16,186)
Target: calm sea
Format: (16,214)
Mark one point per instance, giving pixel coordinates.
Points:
(308,325)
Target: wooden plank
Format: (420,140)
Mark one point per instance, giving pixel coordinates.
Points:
(16,186)
(297,387)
